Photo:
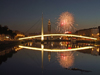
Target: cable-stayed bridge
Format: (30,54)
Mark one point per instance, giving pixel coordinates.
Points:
(42,36)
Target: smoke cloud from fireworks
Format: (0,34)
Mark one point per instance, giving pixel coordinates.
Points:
(65,22)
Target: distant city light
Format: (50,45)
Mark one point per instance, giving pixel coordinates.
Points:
(68,32)
(7,37)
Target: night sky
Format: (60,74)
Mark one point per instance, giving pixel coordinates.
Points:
(22,14)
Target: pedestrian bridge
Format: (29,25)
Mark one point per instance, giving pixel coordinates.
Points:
(68,35)
(45,35)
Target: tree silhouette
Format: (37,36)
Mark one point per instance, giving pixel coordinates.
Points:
(5,30)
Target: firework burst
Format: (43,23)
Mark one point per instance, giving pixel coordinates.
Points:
(65,22)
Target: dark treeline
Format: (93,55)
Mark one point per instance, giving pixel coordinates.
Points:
(5,30)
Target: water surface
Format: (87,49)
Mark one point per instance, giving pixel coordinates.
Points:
(22,61)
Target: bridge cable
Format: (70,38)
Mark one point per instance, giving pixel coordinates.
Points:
(32,26)
(37,27)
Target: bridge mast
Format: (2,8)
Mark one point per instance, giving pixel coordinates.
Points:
(42,37)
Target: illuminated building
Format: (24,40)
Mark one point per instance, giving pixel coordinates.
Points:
(91,32)
(4,37)
(49,29)
(19,34)
(49,26)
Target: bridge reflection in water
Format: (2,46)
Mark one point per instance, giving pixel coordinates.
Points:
(66,59)
(64,51)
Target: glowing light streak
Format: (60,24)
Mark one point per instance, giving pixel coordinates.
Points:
(56,50)
(70,35)
(42,37)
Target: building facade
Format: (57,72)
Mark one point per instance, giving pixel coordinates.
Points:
(19,34)
(91,32)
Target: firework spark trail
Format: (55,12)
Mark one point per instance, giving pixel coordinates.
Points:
(65,22)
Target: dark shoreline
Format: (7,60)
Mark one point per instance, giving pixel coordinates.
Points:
(8,44)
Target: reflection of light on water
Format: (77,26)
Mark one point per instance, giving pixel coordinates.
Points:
(30,43)
(65,59)
(17,49)
(97,49)
(56,50)
(51,44)
(42,47)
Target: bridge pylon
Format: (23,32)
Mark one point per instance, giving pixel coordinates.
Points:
(42,32)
